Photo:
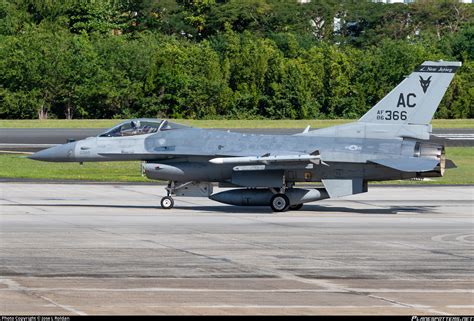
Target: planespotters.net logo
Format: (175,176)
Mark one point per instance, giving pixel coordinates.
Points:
(417,318)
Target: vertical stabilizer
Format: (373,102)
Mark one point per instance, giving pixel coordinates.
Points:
(415,100)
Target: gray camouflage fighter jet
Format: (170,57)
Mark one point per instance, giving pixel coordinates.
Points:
(388,143)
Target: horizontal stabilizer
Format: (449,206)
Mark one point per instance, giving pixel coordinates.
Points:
(449,164)
(408,164)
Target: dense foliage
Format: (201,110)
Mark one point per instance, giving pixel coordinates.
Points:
(228,58)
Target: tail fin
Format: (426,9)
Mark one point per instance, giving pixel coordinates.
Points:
(415,100)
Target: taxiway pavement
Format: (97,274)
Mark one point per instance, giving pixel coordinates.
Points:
(110,249)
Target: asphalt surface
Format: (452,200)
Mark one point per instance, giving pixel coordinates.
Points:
(34,139)
(109,249)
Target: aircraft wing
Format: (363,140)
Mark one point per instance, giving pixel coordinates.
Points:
(267,159)
(408,164)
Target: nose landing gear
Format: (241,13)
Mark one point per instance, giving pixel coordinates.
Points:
(167,203)
(182,189)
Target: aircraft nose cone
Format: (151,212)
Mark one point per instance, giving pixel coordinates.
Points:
(61,153)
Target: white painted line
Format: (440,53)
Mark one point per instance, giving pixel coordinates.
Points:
(27,145)
(14,152)
(453,135)
(65,307)
(372,290)
(249,306)
(413,306)
(15,286)
(460,306)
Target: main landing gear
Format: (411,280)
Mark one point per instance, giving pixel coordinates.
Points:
(280,203)
(296,207)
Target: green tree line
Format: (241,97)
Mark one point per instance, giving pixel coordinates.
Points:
(224,59)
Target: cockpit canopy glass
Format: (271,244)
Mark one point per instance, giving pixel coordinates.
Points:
(140,127)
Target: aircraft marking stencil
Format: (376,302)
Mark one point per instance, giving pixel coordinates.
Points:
(425,83)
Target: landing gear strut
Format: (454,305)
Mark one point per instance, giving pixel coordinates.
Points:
(167,202)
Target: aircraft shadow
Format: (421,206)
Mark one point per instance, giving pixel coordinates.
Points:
(392,210)
(314,208)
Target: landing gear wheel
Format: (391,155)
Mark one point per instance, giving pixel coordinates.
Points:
(279,203)
(167,203)
(296,207)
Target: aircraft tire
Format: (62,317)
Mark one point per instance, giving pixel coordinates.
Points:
(279,203)
(296,207)
(167,203)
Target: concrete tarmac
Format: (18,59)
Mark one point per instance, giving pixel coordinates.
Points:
(110,249)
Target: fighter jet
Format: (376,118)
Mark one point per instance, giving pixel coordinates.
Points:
(390,142)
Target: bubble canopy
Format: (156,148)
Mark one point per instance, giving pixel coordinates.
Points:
(134,127)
